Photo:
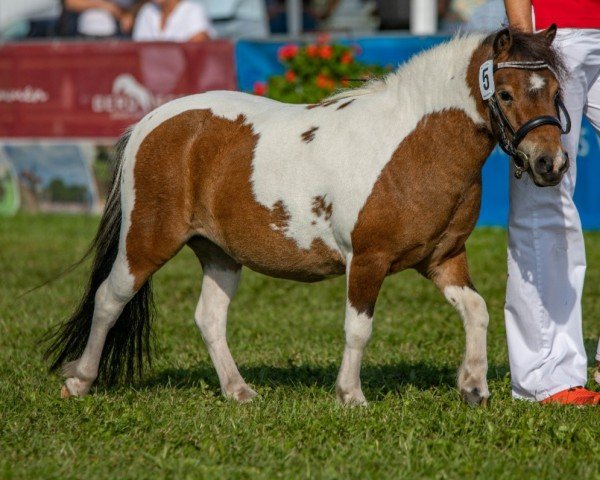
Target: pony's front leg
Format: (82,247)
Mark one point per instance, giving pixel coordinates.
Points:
(452,278)
(364,276)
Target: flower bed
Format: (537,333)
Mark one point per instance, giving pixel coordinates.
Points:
(316,70)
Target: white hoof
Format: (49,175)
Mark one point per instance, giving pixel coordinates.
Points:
(74,387)
(352,398)
(243,394)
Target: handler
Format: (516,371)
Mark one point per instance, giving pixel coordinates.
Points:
(546,253)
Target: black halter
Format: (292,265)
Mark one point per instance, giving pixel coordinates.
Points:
(509,139)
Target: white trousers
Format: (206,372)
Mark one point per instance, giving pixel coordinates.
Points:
(546,253)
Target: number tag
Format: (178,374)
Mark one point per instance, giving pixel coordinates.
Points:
(486,79)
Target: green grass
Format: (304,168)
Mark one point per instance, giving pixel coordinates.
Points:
(288,340)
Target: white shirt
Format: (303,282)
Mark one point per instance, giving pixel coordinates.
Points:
(96,22)
(186,20)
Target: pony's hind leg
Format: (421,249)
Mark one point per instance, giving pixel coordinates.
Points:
(452,278)
(221,275)
(109,300)
(117,334)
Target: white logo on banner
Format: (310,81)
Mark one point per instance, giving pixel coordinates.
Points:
(128,97)
(27,94)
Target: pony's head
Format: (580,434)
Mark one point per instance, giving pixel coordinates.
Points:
(521,81)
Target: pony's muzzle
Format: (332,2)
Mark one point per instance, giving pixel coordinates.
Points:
(548,170)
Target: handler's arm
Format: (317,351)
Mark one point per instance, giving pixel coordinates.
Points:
(519,14)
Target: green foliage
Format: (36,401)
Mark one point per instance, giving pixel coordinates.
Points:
(288,340)
(58,191)
(315,71)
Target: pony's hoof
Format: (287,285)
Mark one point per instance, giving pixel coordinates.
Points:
(475,396)
(74,387)
(243,394)
(64,392)
(352,399)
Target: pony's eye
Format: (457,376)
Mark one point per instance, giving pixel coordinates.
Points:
(505,96)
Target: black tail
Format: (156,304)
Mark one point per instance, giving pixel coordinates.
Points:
(128,342)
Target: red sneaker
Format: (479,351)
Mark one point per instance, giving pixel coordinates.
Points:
(574,396)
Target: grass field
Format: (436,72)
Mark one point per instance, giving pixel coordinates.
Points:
(288,340)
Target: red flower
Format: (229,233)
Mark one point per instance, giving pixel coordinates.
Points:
(260,88)
(312,51)
(347,58)
(290,76)
(323,38)
(326,52)
(324,82)
(288,51)
(345,82)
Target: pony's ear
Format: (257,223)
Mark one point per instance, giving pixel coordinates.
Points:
(548,34)
(502,41)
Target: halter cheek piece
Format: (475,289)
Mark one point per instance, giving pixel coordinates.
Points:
(509,139)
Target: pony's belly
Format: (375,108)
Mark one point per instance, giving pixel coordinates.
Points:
(282,258)
(321,272)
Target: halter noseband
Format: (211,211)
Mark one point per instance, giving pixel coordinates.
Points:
(499,120)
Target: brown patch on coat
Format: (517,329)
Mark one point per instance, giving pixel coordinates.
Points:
(345,104)
(309,135)
(367,274)
(193,179)
(323,104)
(425,203)
(453,271)
(321,208)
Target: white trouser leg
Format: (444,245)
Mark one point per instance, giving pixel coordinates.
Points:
(546,256)
(592,112)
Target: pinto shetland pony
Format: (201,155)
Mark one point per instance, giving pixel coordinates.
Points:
(367,183)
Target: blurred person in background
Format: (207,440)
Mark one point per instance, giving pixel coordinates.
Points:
(313,13)
(172,20)
(471,15)
(100,18)
(546,252)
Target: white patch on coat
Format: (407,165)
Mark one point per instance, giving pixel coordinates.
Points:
(536,82)
(350,148)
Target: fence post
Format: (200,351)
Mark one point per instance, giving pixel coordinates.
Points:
(423,17)
(294,17)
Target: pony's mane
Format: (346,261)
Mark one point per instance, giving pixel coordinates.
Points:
(524,47)
(533,47)
(433,55)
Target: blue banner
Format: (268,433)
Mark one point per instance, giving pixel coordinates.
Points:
(257,60)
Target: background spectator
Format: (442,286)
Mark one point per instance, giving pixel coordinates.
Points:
(101,18)
(172,20)
(313,13)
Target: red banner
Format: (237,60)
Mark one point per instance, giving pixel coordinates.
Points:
(97,89)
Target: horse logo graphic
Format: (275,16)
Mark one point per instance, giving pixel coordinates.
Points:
(129,98)
(126,84)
